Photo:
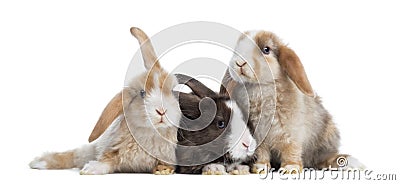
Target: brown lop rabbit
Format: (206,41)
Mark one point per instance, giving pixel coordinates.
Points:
(296,130)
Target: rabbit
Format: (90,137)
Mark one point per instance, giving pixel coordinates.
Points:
(294,130)
(189,104)
(214,138)
(150,107)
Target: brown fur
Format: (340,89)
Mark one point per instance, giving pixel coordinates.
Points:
(291,64)
(300,132)
(195,160)
(129,142)
(61,161)
(109,114)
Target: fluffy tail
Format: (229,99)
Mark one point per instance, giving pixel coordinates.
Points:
(76,158)
(342,161)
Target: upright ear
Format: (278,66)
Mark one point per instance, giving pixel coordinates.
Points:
(110,113)
(291,64)
(197,87)
(189,104)
(148,53)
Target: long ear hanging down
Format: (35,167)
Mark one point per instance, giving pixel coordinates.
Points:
(113,109)
(291,64)
(148,53)
(197,87)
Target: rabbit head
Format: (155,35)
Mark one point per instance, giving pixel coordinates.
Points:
(211,117)
(263,53)
(149,95)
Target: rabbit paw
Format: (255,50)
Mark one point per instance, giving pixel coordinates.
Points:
(214,169)
(291,169)
(349,162)
(38,163)
(163,170)
(95,168)
(237,169)
(261,168)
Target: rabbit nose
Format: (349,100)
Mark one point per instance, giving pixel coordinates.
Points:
(245,145)
(161,112)
(240,65)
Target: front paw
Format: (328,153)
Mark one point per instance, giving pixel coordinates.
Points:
(163,170)
(214,169)
(261,168)
(238,169)
(95,168)
(349,162)
(291,169)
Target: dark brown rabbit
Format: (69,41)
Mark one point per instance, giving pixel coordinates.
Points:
(213,137)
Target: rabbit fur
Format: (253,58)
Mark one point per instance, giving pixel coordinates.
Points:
(211,139)
(289,122)
(148,101)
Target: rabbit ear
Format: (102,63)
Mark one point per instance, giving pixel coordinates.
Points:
(197,87)
(110,113)
(291,64)
(189,104)
(148,53)
(113,109)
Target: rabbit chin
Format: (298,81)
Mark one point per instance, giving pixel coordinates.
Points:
(241,76)
(241,143)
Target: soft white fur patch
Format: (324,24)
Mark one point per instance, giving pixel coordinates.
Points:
(354,163)
(95,168)
(239,134)
(245,53)
(214,168)
(84,154)
(157,100)
(38,164)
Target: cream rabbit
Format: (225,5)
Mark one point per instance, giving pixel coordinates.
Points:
(293,127)
(151,111)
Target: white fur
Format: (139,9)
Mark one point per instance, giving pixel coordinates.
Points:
(80,156)
(83,154)
(245,53)
(354,163)
(95,168)
(239,134)
(131,154)
(214,168)
(238,169)
(38,164)
(109,134)
(156,100)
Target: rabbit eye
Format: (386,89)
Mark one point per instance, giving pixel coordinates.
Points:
(221,124)
(142,93)
(266,50)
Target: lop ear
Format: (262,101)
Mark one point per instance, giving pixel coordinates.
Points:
(110,113)
(292,66)
(148,53)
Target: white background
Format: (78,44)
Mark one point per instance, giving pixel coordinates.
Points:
(61,62)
